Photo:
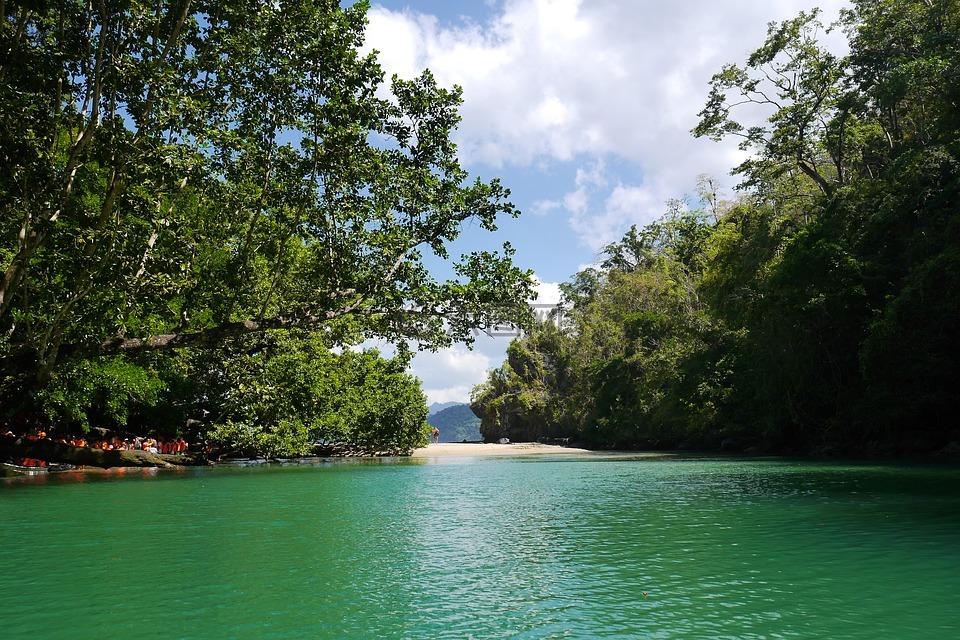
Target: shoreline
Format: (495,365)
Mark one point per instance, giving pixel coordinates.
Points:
(489,450)
(450,449)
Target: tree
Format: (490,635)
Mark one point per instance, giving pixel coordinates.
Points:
(277,394)
(904,60)
(633,363)
(194,171)
(802,84)
(182,173)
(842,300)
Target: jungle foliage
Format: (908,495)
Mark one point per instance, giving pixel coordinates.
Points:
(818,309)
(456,424)
(194,191)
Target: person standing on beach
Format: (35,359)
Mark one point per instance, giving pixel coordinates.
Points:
(436,435)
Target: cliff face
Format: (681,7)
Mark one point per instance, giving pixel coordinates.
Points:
(509,418)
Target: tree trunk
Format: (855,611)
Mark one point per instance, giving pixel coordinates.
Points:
(57,452)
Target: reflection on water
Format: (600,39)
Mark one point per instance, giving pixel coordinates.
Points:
(487,548)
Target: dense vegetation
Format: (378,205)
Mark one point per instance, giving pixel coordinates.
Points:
(818,310)
(456,424)
(202,202)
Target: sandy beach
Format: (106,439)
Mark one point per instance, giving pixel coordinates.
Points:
(446,449)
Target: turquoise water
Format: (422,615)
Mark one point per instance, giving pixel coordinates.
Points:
(487,548)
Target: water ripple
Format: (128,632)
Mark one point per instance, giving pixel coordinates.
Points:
(512,548)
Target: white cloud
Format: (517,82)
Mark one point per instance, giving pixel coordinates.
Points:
(548,292)
(450,364)
(561,80)
(592,175)
(449,394)
(564,77)
(599,214)
(577,202)
(544,207)
(449,375)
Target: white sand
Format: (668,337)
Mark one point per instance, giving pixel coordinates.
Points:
(445,449)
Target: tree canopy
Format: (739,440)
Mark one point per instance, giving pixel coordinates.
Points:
(817,310)
(181,174)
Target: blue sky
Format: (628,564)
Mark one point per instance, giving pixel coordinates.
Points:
(583,109)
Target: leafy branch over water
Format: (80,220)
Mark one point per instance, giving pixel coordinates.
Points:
(187,177)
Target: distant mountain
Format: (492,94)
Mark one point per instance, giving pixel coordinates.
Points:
(436,407)
(456,423)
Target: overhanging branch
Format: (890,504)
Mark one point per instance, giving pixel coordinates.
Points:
(26,360)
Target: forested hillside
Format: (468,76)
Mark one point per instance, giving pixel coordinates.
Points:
(815,311)
(456,423)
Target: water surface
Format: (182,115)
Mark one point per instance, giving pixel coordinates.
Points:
(539,547)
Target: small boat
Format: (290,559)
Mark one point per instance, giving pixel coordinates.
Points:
(10,469)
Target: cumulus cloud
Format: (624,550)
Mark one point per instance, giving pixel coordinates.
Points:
(575,80)
(547,292)
(449,375)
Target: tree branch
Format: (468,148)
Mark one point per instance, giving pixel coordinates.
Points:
(816,177)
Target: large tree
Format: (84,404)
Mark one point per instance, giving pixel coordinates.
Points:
(179,173)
